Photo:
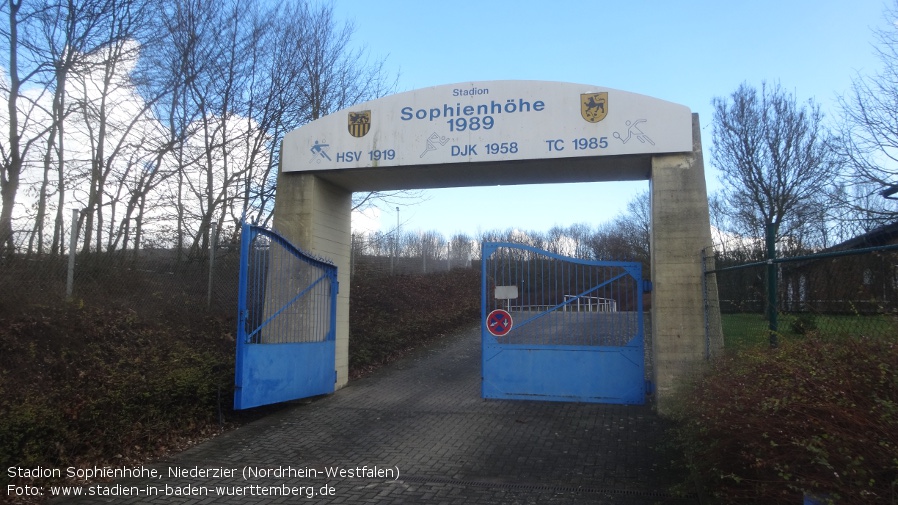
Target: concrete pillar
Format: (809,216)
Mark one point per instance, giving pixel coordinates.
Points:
(681,228)
(314,215)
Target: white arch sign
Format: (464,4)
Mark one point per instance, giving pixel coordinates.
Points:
(487,122)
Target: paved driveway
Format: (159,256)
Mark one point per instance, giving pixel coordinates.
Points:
(418,432)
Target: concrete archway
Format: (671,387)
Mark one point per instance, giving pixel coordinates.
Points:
(512,132)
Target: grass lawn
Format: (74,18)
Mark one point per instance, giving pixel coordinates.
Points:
(741,330)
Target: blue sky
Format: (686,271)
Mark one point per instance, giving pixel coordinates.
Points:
(682,51)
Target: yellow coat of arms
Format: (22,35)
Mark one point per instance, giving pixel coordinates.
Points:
(359,123)
(594,106)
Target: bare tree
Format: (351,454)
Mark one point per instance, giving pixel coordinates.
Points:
(71,34)
(775,158)
(83,48)
(338,76)
(727,241)
(227,97)
(869,130)
(610,242)
(637,225)
(624,238)
(461,250)
(275,104)
(558,241)
(114,117)
(210,88)
(249,80)
(432,246)
(24,67)
(179,61)
(579,234)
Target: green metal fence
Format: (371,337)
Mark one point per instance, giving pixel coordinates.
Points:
(832,293)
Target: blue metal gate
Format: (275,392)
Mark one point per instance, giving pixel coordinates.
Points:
(561,329)
(285,325)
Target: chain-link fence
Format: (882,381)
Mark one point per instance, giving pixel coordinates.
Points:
(155,282)
(833,293)
(379,255)
(160,280)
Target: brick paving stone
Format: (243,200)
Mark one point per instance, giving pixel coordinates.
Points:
(424,416)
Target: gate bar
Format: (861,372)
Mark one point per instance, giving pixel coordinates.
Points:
(568,302)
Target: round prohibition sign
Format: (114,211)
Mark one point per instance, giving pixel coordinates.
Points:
(499,322)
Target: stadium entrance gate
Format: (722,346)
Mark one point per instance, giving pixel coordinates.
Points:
(561,329)
(490,133)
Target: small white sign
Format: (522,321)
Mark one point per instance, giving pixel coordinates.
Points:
(489,121)
(506,292)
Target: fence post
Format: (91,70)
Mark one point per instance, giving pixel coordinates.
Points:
(353,250)
(73,244)
(395,244)
(705,304)
(772,323)
(213,234)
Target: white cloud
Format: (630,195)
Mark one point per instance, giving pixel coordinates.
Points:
(129,121)
(366,221)
(726,241)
